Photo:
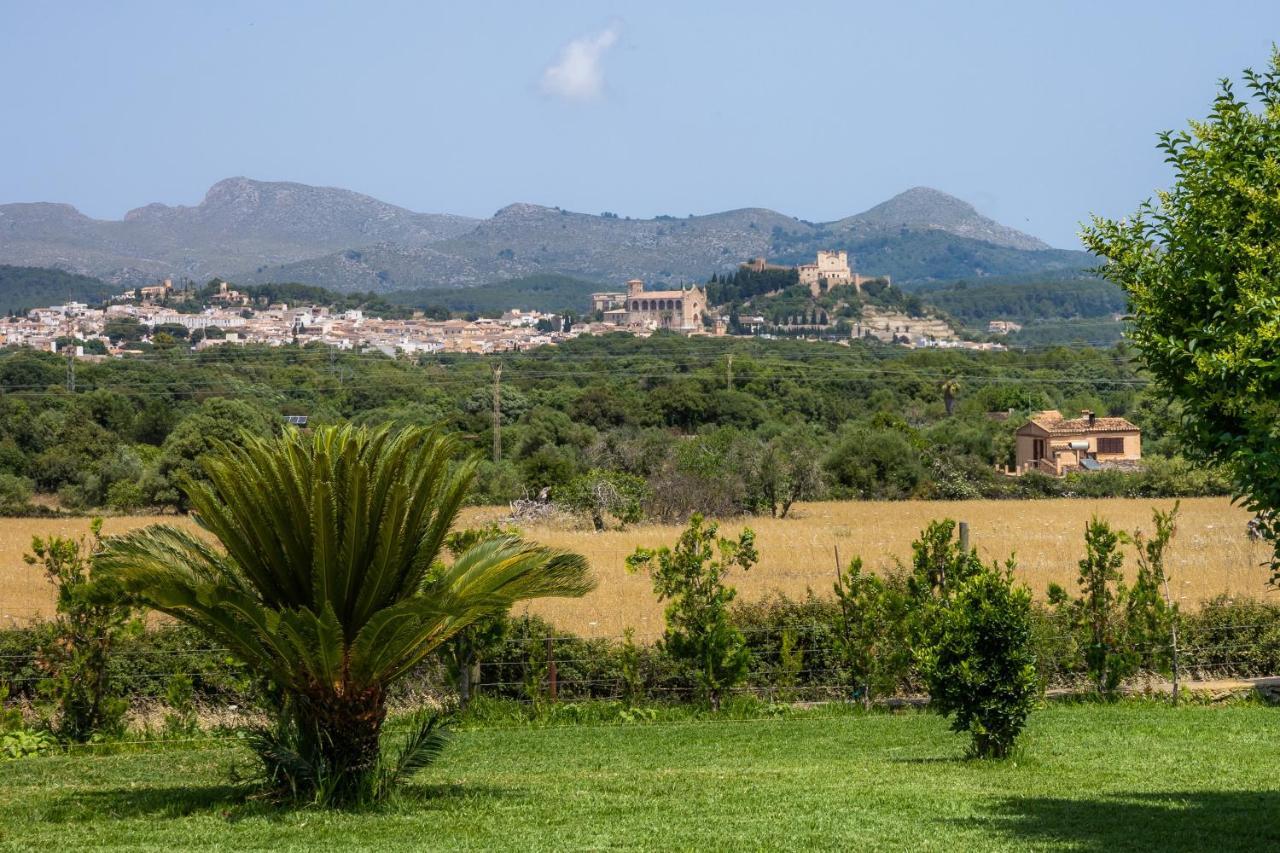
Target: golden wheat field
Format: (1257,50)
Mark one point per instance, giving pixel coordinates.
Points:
(1211,553)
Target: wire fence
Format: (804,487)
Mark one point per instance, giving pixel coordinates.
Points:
(794,662)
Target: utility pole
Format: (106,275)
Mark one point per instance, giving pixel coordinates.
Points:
(497,412)
(71,368)
(728,373)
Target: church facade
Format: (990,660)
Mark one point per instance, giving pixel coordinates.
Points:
(677,310)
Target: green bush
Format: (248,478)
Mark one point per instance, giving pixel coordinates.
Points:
(872,636)
(91,618)
(979,664)
(690,577)
(1231,636)
(812,625)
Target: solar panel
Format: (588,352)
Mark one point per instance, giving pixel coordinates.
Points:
(1090,465)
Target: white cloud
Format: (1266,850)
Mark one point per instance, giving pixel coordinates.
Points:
(577,75)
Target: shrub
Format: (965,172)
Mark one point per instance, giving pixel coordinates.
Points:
(15,492)
(1149,614)
(1232,636)
(811,624)
(1107,658)
(91,619)
(979,666)
(872,631)
(691,578)
(600,493)
(125,495)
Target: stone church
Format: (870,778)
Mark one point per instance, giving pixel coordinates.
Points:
(677,310)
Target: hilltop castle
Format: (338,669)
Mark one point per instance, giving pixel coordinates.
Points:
(831,269)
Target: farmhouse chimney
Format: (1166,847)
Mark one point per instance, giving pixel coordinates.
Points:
(1089,416)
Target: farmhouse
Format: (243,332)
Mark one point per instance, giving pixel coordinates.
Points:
(1054,445)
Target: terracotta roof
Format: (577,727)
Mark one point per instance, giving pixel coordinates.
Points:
(1053,423)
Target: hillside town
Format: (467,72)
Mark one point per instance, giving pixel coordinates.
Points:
(134,321)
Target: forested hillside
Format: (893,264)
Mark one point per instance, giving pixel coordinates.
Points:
(551,293)
(1023,298)
(23,288)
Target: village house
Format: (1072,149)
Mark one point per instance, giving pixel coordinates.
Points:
(608,301)
(1054,445)
(1003,327)
(227,296)
(157,291)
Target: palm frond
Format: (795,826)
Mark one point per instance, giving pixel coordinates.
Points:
(428,737)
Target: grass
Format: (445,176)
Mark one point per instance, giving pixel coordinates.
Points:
(1127,776)
(1211,555)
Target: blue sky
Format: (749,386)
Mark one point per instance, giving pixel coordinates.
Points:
(1038,113)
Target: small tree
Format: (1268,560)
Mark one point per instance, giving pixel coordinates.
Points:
(1199,268)
(1149,613)
(1100,608)
(790,666)
(938,564)
(871,639)
(980,668)
(786,470)
(328,584)
(599,493)
(91,618)
(691,578)
(949,388)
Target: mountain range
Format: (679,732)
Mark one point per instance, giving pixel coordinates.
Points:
(251,231)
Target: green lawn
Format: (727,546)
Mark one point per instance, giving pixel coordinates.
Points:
(1106,778)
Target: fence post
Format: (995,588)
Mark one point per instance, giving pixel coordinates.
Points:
(1173,632)
(964,537)
(551,670)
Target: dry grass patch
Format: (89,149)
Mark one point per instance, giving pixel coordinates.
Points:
(1211,554)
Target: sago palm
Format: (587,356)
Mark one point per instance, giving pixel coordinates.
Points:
(328,582)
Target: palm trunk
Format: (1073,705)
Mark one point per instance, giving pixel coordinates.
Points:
(342,733)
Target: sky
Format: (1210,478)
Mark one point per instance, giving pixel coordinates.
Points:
(1037,113)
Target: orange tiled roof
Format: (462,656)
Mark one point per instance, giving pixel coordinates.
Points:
(1053,423)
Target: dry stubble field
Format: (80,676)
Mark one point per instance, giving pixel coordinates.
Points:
(1211,554)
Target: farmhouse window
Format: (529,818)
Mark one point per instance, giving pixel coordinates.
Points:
(1111,445)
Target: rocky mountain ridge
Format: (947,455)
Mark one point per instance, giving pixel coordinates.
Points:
(256,231)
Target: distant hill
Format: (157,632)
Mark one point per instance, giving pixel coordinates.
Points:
(24,288)
(241,224)
(532,293)
(925,209)
(256,232)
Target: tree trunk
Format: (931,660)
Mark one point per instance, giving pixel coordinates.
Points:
(344,732)
(465,667)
